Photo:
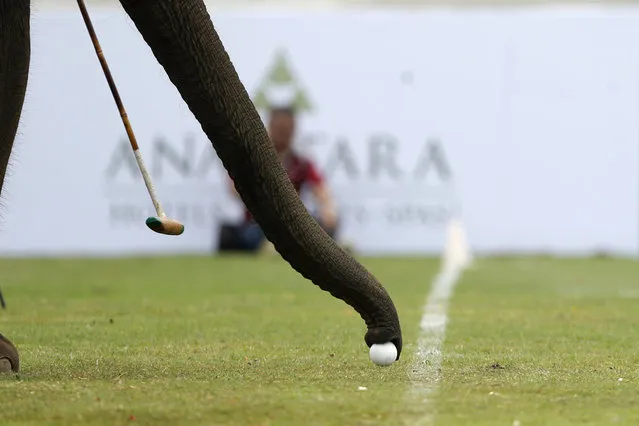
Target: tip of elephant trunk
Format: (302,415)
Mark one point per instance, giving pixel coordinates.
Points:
(166,226)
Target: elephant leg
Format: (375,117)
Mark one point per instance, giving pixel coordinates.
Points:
(185,42)
(15,53)
(9,358)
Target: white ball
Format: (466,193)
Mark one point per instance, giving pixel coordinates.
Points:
(383,354)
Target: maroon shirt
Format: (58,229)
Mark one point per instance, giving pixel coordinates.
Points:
(301,172)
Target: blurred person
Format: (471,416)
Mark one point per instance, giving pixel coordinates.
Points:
(303,174)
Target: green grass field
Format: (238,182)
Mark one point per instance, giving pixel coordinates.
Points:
(247,341)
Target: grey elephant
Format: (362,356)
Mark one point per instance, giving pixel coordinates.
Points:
(185,42)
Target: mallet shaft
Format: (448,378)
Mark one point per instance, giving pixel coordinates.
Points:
(122,110)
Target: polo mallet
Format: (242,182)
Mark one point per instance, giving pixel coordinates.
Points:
(160,224)
(2,303)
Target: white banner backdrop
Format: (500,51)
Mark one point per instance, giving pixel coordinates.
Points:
(526,123)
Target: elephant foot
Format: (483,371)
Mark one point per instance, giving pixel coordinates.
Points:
(9,358)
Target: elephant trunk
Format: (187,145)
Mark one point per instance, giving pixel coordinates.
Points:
(15,54)
(184,41)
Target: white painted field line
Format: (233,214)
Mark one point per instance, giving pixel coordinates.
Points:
(425,372)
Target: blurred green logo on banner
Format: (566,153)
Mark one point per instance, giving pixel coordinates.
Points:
(280,87)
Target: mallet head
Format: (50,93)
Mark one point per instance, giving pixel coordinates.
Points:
(164,225)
